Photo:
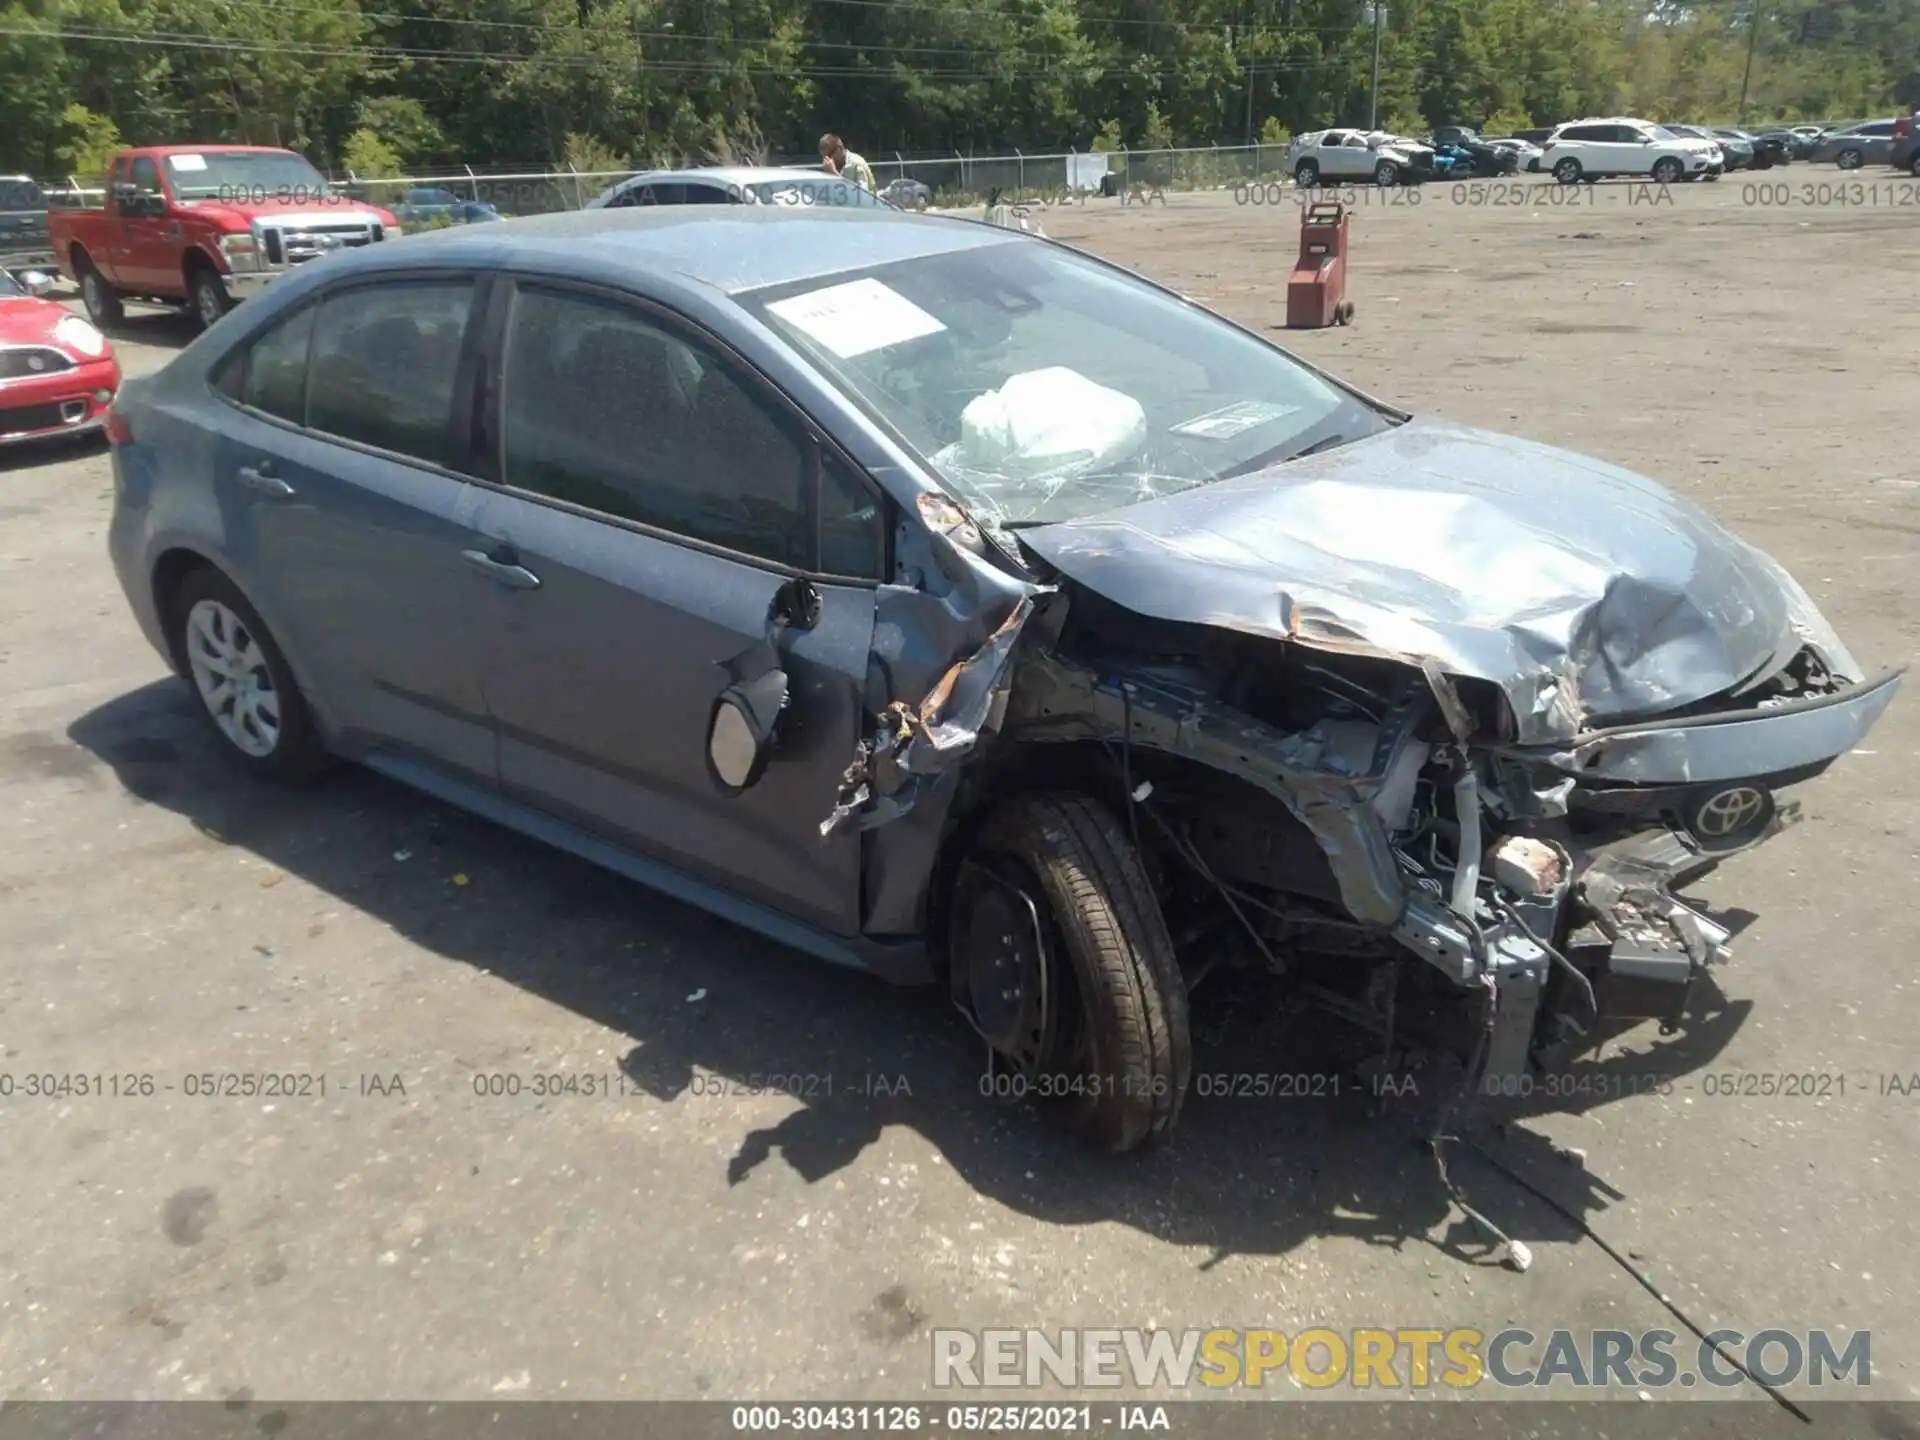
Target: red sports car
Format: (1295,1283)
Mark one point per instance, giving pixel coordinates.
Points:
(57,372)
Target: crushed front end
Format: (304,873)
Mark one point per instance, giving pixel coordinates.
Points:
(1332,816)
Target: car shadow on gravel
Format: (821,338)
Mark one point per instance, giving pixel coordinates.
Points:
(1255,1168)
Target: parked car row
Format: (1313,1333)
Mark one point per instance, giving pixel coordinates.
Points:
(1848,145)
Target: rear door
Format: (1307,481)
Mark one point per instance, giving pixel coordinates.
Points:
(341,464)
(1589,144)
(654,497)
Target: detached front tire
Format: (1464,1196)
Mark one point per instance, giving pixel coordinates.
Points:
(1118,1057)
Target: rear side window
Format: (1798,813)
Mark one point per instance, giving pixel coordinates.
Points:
(383,361)
(271,373)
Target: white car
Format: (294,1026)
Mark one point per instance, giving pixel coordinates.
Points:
(1595,149)
(1526,151)
(1357,155)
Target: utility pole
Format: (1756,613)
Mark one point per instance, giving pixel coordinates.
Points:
(1373,105)
(1753,38)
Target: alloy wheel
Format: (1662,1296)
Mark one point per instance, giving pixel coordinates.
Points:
(230,672)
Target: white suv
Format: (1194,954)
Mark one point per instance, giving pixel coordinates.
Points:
(1595,149)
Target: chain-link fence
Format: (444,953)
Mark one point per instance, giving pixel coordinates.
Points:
(952,180)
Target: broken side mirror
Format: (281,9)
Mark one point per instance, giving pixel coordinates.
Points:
(746,714)
(740,737)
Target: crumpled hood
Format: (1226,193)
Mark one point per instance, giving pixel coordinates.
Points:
(1589,594)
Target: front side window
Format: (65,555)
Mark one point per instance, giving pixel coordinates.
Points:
(383,363)
(146,178)
(604,409)
(1042,386)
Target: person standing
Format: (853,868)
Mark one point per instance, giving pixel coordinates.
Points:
(841,161)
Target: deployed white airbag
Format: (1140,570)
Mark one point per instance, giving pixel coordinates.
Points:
(1046,421)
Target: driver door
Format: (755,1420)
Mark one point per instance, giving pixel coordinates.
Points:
(150,237)
(640,559)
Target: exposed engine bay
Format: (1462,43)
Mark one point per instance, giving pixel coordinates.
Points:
(1369,829)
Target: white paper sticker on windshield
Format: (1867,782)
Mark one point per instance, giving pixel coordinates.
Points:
(856,318)
(187,162)
(1231,420)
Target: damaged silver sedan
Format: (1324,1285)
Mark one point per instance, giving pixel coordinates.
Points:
(951,604)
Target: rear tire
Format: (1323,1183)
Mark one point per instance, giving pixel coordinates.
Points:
(1567,171)
(1306,174)
(1120,980)
(101,299)
(246,689)
(1850,159)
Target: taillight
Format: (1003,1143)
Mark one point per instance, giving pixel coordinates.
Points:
(116,429)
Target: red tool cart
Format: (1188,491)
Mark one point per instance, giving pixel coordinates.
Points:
(1317,290)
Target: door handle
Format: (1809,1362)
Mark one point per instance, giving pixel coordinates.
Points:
(257,478)
(502,567)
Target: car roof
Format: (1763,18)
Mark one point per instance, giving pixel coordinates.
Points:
(734,174)
(731,248)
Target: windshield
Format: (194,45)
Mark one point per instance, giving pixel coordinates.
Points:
(1672,132)
(245,175)
(1042,386)
(812,190)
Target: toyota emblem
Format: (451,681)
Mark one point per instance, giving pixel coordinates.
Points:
(1730,816)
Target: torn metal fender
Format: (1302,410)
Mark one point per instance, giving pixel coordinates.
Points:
(1055,698)
(943,639)
(913,743)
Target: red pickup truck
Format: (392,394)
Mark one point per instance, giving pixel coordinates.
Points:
(204,226)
